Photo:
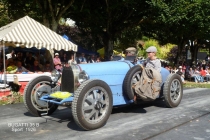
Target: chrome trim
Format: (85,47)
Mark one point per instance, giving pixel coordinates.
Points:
(76,70)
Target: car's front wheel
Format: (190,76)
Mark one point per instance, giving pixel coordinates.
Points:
(34,90)
(92,104)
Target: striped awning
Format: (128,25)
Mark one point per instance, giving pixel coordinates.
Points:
(29,33)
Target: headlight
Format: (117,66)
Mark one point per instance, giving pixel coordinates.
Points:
(83,76)
(55,75)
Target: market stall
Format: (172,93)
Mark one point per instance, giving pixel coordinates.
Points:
(29,33)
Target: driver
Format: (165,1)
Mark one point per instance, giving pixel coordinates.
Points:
(131,51)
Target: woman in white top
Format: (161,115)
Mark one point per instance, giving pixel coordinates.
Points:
(72,60)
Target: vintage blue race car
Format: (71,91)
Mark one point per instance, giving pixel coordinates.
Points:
(95,89)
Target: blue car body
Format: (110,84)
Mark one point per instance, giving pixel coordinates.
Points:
(112,73)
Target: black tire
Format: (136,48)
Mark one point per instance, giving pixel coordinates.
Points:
(31,100)
(173,90)
(101,99)
(133,74)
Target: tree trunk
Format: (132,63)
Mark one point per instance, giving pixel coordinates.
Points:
(108,49)
(194,50)
(54,25)
(179,52)
(46,21)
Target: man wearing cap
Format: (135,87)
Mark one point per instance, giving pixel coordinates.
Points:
(57,62)
(148,87)
(152,61)
(130,51)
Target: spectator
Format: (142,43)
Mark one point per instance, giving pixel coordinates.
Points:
(35,67)
(98,59)
(29,61)
(194,75)
(20,68)
(202,73)
(40,58)
(92,59)
(9,62)
(20,58)
(82,59)
(183,67)
(203,64)
(57,62)
(174,70)
(72,60)
(48,57)
(179,72)
(10,55)
(64,59)
(199,75)
(47,67)
(207,74)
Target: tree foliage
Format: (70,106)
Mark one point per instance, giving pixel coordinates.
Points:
(108,19)
(178,22)
(47,12)
(106,23)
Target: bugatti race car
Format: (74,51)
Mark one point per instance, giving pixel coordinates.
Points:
(91,90)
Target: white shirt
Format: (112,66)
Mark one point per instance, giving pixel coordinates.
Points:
(9,56)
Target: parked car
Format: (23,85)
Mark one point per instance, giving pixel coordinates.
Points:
(95,88)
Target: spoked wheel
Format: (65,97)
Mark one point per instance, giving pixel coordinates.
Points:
(92,104)
(34,90)
(173,90)
(131,78)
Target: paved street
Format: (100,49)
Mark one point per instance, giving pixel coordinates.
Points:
(189,121)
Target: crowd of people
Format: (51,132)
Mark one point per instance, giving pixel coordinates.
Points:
(198,73)
(38,62)
(59,61)
(28,62)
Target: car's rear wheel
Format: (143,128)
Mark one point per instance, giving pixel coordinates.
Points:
(34,90)
(173,90)
(131,78)
(92,104)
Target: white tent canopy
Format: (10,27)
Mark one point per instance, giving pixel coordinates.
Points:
(30,33)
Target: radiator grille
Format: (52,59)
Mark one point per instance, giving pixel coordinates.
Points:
(67,80)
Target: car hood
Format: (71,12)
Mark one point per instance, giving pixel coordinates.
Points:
(112,72)
(108,68)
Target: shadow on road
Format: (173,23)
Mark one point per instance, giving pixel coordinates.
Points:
(63,114)
(134,108)
(139,107)
(28,114)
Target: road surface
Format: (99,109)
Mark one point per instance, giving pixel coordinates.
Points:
(153,121)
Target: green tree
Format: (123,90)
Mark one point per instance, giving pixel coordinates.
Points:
(108,19)
(48,12)
(177,22)
(4,14)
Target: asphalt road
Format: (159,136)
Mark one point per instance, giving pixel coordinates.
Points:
(189,121)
